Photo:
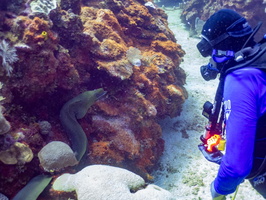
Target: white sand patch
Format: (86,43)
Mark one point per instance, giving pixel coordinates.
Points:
(183,169)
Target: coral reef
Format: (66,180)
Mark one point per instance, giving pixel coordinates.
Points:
(253,11)
(124,47)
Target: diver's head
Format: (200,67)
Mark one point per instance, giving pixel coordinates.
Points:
(225,30)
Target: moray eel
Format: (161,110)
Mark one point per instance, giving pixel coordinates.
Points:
(34,188)
(74,109)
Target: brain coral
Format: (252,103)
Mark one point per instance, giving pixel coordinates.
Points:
(112,183)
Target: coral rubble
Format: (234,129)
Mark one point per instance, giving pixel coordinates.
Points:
(124,47)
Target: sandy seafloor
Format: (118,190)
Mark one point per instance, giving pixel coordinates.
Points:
(182,169)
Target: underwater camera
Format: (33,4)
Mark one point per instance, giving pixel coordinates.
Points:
(212,141)
(209,72)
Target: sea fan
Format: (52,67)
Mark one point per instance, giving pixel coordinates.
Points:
(9,56)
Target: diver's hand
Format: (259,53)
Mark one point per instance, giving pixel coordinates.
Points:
(216,195)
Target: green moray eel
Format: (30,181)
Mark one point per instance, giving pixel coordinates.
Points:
(34,188)
(74,109)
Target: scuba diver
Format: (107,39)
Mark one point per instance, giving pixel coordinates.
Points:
(239,111)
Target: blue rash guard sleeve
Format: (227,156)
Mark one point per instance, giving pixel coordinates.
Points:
(244,102)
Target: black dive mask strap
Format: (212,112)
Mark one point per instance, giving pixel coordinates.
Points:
(238,29)
(216,40)
(233,30)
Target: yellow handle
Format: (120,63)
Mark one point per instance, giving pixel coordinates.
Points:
(221,145)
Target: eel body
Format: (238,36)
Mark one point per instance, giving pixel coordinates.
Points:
(74,109)
(34,188)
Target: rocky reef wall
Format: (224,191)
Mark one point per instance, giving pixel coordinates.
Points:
(253,10)
(51,51)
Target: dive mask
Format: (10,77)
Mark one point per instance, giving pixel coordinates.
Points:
(204,47)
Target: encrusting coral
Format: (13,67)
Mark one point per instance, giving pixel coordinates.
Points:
(81,46)
(18,153)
